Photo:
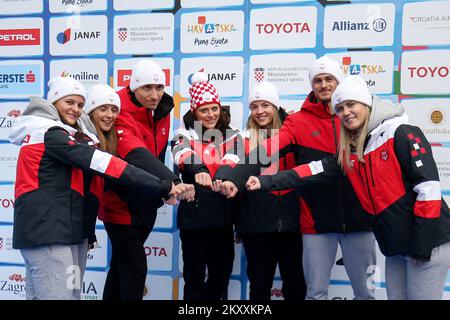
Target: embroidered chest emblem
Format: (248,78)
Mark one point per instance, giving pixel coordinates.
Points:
(384,155)
(163,131)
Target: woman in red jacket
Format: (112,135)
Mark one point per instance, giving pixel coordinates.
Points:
(391,168)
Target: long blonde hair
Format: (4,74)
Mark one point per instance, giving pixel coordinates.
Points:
(352,142)
(255,137)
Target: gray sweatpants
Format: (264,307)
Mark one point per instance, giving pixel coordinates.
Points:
(319,255)
(411,280)
(55,272)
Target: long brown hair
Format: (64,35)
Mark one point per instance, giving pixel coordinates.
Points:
(253,128)
(352,142)
(108,140)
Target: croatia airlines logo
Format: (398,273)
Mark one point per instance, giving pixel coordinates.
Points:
(64,37)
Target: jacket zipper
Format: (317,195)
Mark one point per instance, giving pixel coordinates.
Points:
(154,130)
(371,171)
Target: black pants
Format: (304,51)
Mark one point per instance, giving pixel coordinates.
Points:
(128,265)
(212,249)
(263,252)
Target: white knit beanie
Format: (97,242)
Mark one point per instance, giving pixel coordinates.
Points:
(99,95)
(60,87)
(265,91)
(325,65)
(146,72)
(352,88)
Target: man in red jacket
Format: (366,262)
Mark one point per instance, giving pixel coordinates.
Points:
(143,131)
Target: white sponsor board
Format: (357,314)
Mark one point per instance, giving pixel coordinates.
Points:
(425,72)
(442,159)
(98,257)
(237,259)
(287,71)
(210,3)
(7,253)
(122,5)
(21,78)
(144,33)
(7,203)
(377,68)
(158,288)
(88,72)
(93,284)
(283,28)
(225,73)
(76,6)
(159,251)
(85,35)
(8,161)
(431,115)
(21,37)
(12,283)
(12,7)
(234,290)
(9,113)
(212,31)
(123,67)
(359,25)
(164,218)
(291,106)
(426,23)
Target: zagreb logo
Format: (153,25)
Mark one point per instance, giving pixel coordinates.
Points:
(14,113)
(64,37)
(122,33)
(379,25)
(384,155)
(259,74)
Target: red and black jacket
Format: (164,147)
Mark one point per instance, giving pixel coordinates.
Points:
(267,211)
(397,184)
(313,134)
(143,138)
(49,206)
(194,153)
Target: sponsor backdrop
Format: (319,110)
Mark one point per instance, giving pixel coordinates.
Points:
(401,48)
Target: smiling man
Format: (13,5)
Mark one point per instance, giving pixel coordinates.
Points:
(330,213)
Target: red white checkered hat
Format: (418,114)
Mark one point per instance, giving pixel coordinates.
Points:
(202,92)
